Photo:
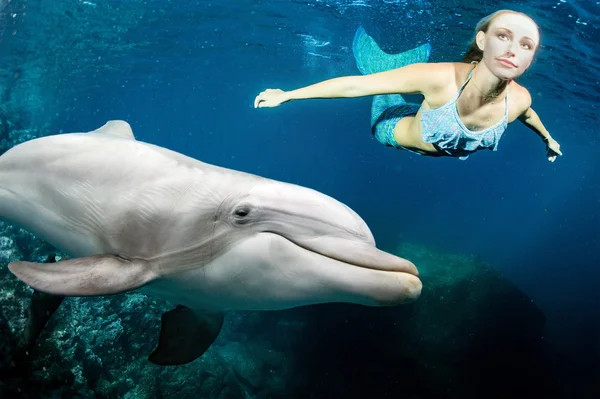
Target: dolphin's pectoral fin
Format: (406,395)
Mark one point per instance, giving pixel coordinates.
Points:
(41,309)
(116,128)
(185,335)
(88,276)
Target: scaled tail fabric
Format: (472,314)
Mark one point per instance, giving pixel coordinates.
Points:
(370,58)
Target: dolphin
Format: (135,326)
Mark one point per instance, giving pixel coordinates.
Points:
(136,217)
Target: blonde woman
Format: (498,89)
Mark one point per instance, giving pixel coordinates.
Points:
(466,106)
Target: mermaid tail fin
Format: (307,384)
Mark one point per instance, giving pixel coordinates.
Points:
(370,58)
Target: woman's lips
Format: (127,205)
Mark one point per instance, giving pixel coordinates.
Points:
(506,63)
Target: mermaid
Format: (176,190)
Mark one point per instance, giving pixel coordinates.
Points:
(466,105)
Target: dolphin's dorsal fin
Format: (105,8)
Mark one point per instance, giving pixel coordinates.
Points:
(185,335)
(116,128)
(89,276)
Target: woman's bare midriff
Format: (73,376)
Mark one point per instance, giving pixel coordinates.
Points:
(407,133)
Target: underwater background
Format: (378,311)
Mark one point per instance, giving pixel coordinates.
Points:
(508,244)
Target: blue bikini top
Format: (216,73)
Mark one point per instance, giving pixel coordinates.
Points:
(443,128)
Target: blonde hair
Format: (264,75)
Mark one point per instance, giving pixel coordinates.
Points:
(473,52)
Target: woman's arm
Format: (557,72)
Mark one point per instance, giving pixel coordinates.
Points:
(414,78)
(531,119)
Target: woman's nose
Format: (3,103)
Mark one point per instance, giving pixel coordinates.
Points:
(512,48)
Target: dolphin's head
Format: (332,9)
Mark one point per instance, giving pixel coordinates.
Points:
(297,213)
(314,234)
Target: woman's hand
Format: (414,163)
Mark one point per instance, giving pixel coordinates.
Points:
(270,98)
(552,149)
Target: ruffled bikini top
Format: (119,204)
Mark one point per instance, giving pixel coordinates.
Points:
(443,128)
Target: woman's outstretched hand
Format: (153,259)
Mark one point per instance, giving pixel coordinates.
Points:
(552,149)
(270,98)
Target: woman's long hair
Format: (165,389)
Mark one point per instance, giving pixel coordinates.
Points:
(473,52)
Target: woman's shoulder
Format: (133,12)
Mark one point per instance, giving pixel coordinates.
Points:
(451,75)
(443,69)
(440,75)
(518,89)
(519,95)
(462,71)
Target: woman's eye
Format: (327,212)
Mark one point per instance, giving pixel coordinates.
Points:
(502,36)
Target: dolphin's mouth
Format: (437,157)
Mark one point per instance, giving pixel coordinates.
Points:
(268,271)
(334,269)
(357,253)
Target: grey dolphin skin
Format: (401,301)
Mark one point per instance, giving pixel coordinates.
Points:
(133,216)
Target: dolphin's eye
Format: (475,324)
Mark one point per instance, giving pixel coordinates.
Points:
(240,214)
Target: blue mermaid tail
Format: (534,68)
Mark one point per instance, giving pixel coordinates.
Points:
(370,58)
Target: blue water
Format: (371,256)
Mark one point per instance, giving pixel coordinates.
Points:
(185,74)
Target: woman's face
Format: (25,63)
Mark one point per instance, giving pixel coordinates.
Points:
(509,45)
